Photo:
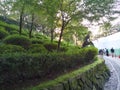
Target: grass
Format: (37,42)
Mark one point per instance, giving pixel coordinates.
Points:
(64,77)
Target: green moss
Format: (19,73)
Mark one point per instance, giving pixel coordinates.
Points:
(65,77)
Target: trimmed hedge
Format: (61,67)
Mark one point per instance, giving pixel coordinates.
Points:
(10,49)
(14,32)
(71,49)
(89,77)
(90,52)
(53,47)
(18,40)
(8,27)
(3,33)
(15,67)
(50,46)
(36,41)
(41,36)
(37,48)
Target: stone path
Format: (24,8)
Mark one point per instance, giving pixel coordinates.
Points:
(114,65)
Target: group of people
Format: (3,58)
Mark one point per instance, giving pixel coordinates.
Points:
(106,52)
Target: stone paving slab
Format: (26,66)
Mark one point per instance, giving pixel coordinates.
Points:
(114,81)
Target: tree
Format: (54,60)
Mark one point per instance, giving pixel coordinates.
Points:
(27,9)
(67,11)
(75,33)
(31,10)
(94,10)
(106,28)
(51,8)
(19,6)
(75,10)
(5,8)
(61,13)
(32,23)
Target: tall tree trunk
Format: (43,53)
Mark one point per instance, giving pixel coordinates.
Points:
(21,22)
(52,31)
(31,27)
(64,24)
(59,42)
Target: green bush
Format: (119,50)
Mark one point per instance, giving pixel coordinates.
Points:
(23,66)
(53,47)
(50,46)
(8,27)
(5,48)
(90,52)
(37,48)
(25,33)
(3,33)
(18,40)
(40,36)
(26,66)
(14,32)
(2,28)
(63,48)
(72,49)
(36,41)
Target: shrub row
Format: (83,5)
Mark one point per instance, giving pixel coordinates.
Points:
(15,67)
(12,29)
(3,33)
(18,40)
(7,48)
(34,45)
(8,27)
(37,48)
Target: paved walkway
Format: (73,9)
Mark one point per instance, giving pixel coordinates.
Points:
(114,66)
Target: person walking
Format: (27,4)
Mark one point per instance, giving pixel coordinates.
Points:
(107,52)
(112,52)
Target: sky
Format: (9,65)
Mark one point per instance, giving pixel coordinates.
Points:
(108,42)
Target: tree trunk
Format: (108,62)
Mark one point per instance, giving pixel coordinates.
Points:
(21,22)
(59,42)
(52,31)
(64,24)
(31,27)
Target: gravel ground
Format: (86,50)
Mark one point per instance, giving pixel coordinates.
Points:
(114,81)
